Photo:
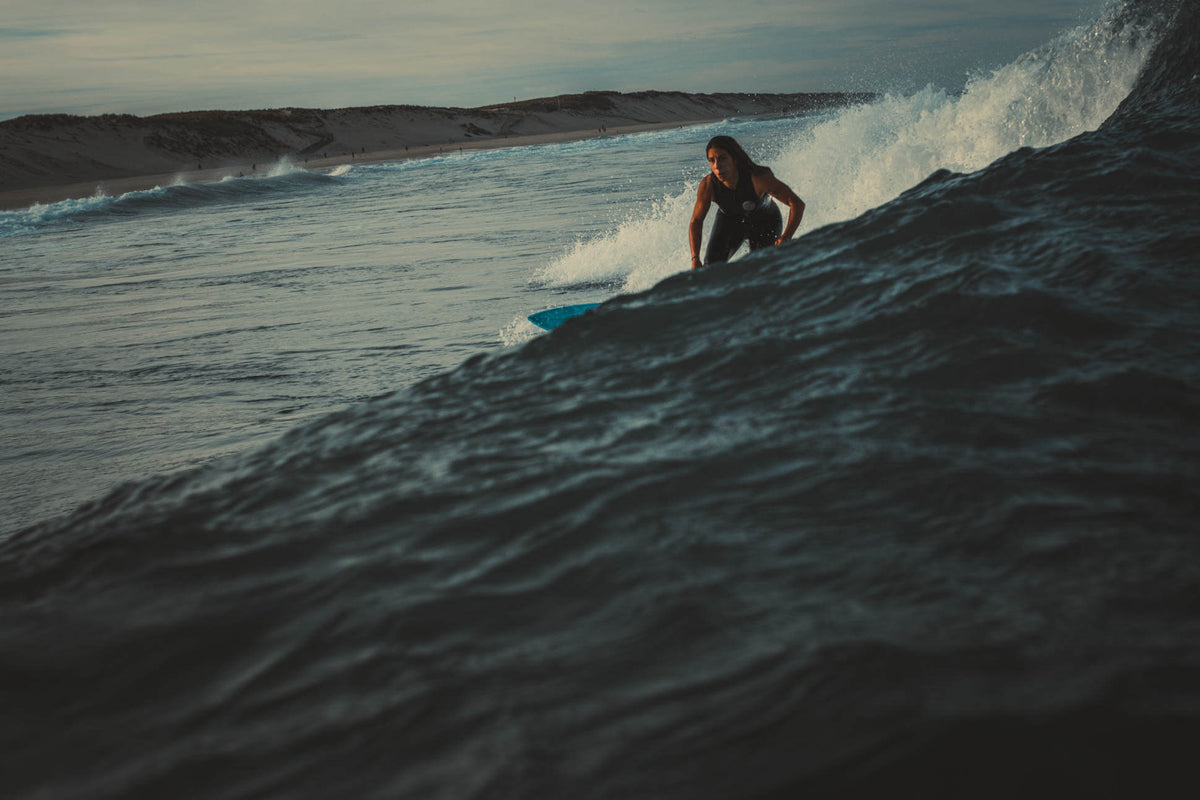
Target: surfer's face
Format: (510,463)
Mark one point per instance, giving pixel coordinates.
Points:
(723,166)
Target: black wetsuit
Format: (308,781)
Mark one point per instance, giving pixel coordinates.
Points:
(742,216)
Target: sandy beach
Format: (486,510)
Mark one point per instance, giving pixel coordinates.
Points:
(48,158)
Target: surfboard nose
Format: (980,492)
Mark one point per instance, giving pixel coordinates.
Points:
(551,318)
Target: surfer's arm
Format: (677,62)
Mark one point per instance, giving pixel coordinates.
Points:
(696,227)
(767,182)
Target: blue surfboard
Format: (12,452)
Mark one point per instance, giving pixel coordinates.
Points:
(551,318)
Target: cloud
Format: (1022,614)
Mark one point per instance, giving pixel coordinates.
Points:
(143,57)
(31,33)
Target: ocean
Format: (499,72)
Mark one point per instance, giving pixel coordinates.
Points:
(298,504)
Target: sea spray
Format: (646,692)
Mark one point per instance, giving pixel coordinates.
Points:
(634,256)
(846,162)
(869,154)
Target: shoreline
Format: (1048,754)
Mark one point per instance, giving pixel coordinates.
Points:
(55,157)
(20,199)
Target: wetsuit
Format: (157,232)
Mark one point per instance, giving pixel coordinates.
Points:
(742,216)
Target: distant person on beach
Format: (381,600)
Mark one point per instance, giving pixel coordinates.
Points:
(742,191)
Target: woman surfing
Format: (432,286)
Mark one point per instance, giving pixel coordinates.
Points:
(742,191)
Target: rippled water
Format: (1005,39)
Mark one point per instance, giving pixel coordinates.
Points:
(157,330)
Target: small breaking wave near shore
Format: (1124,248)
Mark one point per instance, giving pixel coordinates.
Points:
(280,178)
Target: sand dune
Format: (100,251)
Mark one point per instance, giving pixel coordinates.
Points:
(45,158)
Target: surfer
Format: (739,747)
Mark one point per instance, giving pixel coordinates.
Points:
(742,191)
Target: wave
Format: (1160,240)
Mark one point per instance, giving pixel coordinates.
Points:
(848,162)
(1168,88)
(281,178)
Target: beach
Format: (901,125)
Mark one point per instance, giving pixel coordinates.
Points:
(49,158)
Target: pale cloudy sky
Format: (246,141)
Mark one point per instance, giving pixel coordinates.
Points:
(151,56)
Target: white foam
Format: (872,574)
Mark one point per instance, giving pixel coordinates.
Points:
(634,256)
(282,167)
(867,155)
(519,331)
(39,214)
(847,162)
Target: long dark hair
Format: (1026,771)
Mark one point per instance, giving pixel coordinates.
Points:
(731,146)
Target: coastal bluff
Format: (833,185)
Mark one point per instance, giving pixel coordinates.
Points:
(57,150)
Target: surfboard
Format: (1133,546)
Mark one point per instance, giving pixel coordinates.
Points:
(551,318)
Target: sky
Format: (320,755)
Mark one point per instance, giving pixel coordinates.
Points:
(154,56)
